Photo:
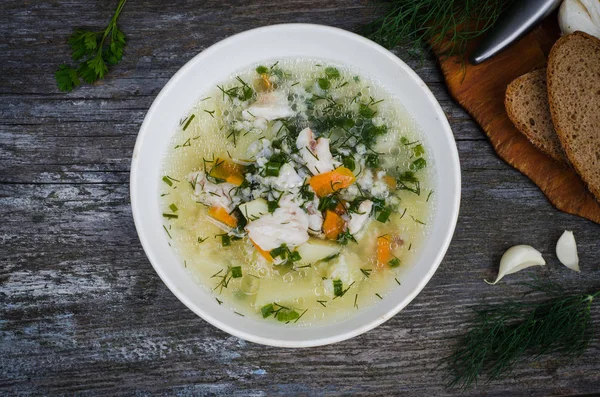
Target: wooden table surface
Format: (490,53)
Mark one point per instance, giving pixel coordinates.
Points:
(82,312)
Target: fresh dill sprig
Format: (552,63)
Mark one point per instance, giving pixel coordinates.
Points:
(501,335)
(96,51)
(418,22)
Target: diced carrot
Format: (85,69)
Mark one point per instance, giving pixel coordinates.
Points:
(332,181)
(222,215)
(333,225)
(384,250)
(340,208)
(390,181)
(228,171)
(261,251)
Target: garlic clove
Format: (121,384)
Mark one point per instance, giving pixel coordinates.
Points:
(566,251)
(583,15)
(518,258)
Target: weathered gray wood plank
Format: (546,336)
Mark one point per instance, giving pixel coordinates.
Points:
(81,309)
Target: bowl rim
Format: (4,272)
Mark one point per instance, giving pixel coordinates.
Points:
(240,333)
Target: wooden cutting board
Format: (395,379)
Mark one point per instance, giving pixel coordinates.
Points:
(480,91)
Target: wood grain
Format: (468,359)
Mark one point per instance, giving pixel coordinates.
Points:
(480,90)
(82,312)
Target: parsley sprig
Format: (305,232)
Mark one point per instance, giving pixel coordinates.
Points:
(96,51)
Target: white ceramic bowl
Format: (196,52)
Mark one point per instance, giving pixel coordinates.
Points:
(249,48)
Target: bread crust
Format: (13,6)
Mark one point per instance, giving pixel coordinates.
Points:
(570,104)
(544,138)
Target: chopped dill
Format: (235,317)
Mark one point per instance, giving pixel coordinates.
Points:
(379,296)
(418,221)
(189,120)
(398,282)
(366,272)
(211,112)
(220,302)
(167,230)
(428,196)
(322,303)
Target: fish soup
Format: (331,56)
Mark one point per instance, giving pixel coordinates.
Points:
(297,192)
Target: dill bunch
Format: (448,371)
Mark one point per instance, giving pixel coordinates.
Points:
(500,335)
(418,22)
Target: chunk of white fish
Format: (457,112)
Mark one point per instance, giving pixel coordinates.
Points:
(210,193)
(288,224)
(359,219)
(315,152)
(315,217)
(288,178)
(566,251)
(269,106)
(518,258)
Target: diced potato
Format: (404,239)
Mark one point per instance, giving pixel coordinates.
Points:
(254,209)
(346,267)
(315,250)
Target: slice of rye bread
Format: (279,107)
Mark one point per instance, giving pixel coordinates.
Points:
(574,98)
(526,103)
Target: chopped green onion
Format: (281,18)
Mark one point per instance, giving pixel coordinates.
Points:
(338,287)
(225,240)
(418,164)
(323,83)
(173,207)
(394,262)
(287,315)
(294,256)
(272,168)
(170,216)
(349,163)
(384,215)
(267,310)
(167,180)
(236,272)
(279,251)
(418,150)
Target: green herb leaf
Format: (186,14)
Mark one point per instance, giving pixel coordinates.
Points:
(323,83)
(66,78)
(262,70)
(366,111)
(500,335)
(96,51)
(332,73)
(395,262)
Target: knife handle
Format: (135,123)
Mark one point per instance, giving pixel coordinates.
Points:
(518,19)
